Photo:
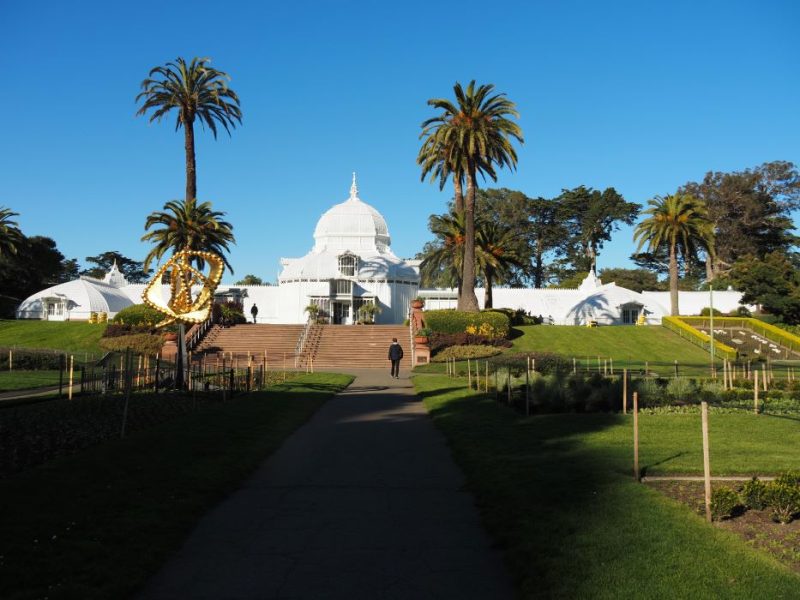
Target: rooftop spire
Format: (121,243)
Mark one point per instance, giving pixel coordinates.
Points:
(354,188)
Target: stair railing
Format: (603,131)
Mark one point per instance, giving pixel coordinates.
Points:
(196,334)
(301,342)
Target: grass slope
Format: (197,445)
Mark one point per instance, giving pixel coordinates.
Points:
(626,345)
(22,380)
(557,495)
(69,336)
(99,523)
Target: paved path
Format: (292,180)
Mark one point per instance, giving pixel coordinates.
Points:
(364,501)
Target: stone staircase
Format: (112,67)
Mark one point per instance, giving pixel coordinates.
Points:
(356,346)
(240,340)
(327,346)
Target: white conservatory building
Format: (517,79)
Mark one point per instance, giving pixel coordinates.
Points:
(351,265)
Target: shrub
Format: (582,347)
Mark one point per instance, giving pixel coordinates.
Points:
(725,503)
(680,388)
(705,312)
(518,316)
(753,494)
(464,352)
(545,362)
(741,311)
(456,321)
(789,478)
(228,313)
(139,343)
(783,500)
(139,315)
(31,360)
(119,329)
(440,341)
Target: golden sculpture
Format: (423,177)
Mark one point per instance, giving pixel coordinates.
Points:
(182,307)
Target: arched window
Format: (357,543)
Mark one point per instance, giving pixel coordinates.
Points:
(347,265)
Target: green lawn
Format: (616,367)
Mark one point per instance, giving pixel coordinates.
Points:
(70,336)
(628,346)
(97,524)
(557,494)
(23,380)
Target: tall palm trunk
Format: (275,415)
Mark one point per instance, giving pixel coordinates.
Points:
(191,197)
(191,168)
(467,300)
(458,193)
(673,279)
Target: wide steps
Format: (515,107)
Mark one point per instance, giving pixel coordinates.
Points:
(248,338)
(358,346)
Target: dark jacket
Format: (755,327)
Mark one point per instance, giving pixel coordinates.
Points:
(395,351)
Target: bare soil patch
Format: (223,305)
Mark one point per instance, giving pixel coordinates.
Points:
(755,527)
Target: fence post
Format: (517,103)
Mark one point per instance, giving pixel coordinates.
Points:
(508,385)
(755,391)
(527,393)
(486,379)
(62,361)
(706,460)
(676,367)
(496,386)
(469,376)
(10,360)
(625,391)
(574,366)
(636,472)
(71,375)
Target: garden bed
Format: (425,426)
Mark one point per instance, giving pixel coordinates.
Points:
(755,527)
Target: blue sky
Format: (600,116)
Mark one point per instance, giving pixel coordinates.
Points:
(636,95)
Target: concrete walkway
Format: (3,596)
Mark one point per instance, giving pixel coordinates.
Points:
(364,501)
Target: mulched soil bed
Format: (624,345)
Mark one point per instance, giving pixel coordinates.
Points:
(754,526)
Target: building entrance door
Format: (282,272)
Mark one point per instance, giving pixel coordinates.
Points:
(341,313)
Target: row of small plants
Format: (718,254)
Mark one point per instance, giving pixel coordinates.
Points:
(679,391)
(465,352)
(35,433)
(781,497)
(553,387)
(31,360)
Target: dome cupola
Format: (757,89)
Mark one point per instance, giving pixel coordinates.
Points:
(352,225)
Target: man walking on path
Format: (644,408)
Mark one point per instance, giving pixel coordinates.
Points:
(254,312)
(395,355)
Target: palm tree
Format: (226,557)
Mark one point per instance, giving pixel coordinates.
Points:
(10,235)
(494,253)
(188,225)
(465,139)
(678,224)
(196,91)
(443,260)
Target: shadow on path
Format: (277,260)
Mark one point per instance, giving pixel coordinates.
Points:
(364,501)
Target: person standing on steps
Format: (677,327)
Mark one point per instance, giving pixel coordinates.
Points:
(395,355)
(254,312)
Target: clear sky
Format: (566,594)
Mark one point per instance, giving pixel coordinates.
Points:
(642,96)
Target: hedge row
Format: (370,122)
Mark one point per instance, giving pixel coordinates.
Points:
(456,321)
(696,337)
